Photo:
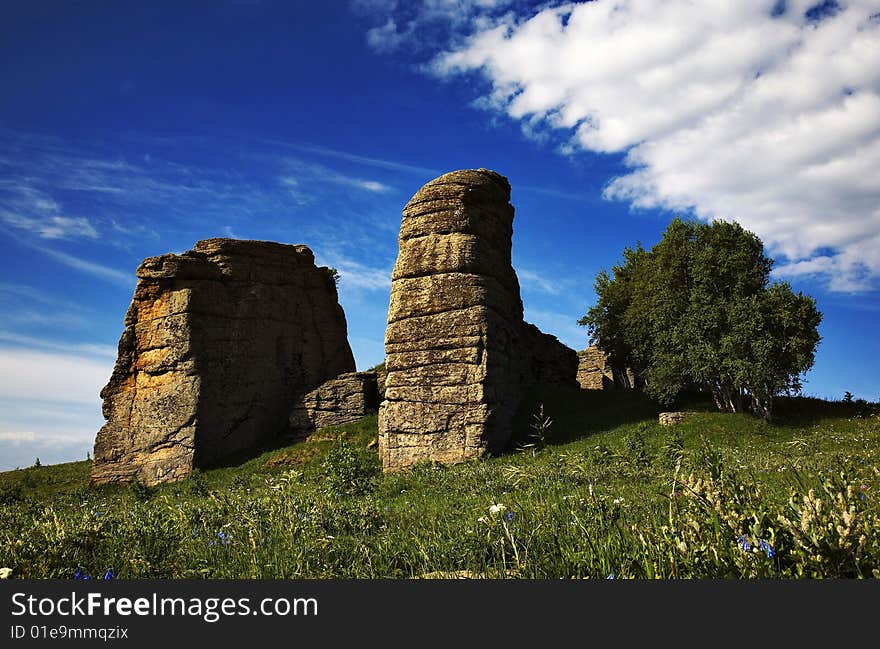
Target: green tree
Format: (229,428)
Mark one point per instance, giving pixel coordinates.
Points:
(698,311)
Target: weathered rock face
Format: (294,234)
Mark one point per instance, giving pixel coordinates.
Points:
(458,353)
(595,372)
(338,401)
(218,343)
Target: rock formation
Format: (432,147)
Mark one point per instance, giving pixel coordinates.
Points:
(672,418)
(595,372)
(458,353)
(338,401)
(218,344)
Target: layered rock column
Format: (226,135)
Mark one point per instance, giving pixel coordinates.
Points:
(458,353)
(219,342)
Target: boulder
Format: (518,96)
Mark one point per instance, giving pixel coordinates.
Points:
(458,354)
(218,344)
(672,418)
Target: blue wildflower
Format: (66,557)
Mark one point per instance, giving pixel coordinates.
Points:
(743,543)
(109,574)
(610,576)
(224,537)
(210,543)
(767,549)
(508,516)
(80,574)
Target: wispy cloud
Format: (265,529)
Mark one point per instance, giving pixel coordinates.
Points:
(53,227)
(91,268)
(536,281)
(355,158)
(302,175)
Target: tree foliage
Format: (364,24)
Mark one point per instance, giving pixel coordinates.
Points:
(698,311)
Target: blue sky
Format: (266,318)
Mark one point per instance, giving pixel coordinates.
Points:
(131,129)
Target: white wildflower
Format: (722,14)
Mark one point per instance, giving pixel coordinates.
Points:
(5,573)
(497,509)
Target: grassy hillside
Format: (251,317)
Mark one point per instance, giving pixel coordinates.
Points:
(601,490)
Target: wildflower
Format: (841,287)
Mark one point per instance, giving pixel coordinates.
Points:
(508,516)
(224,537)
(80,574)
(5,573)
(743,543)
(109,574)
(497,509)
(610,576)
(767,549)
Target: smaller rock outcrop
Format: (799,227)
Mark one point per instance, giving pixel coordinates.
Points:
(595,372)
(672,418)
(338,401)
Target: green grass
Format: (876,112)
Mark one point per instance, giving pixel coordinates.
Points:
(607,491)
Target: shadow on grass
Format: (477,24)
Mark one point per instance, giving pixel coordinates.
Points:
(360,431)
(580,413)
(806,411)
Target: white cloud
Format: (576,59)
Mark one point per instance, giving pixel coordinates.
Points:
(728,109)
(53,431)
(40,375)
(384,38)
(354,274)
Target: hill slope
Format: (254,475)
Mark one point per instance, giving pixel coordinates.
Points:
(603,490)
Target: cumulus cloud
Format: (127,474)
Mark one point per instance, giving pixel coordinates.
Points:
(760,111)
